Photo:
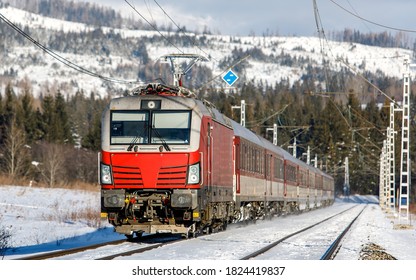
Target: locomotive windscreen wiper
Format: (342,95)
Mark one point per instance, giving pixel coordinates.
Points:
(165,145)
(137,136)
(130,147)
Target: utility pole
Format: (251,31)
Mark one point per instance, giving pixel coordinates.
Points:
(274,133)
(346,178)
(315,161)
(383,176)
(293,147)
(405,179)
(242,108)
(391,160)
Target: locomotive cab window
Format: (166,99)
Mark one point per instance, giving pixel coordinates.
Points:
(129,126)
(173,127)
(150,127)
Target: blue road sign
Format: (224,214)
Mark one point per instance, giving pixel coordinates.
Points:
(230,77)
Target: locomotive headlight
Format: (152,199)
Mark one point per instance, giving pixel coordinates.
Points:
(151,104)
(193,174)
(106,177)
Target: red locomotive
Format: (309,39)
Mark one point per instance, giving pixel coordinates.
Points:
(173,163)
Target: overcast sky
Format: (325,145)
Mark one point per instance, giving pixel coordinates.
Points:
(290,17)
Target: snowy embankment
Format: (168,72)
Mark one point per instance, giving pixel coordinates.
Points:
(42,219)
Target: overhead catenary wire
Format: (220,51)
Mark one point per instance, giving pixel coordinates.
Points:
(192,40)
(358,114)
(355,11)
(372,22)
(352,69)
(368,81)
(183,31)
(319,25)
(61,58)
(322,37)
(154,27)
(222,72)
(256,123)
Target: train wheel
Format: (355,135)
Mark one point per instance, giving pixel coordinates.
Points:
(224,225)
(195,234)
(134,235)
(129,237)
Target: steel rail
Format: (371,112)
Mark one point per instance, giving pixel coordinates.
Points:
(274,244)
(61,253)
(334,247)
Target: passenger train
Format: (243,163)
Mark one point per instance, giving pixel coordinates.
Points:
(171,163)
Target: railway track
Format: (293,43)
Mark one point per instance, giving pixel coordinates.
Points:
(289,245)
(142,244)
(331,250)
(137,251)
(55,254)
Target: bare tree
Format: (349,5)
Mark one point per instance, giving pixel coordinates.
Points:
(52,163)
(16,153)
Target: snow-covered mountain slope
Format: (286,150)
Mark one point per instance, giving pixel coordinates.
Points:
(271,60)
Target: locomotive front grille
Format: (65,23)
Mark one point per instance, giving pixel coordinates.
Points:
(172,176)
(127,176)
(166,177)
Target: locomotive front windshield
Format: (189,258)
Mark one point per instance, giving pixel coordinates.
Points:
(150,127)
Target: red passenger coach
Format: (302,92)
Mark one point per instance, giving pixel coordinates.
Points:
(172,163)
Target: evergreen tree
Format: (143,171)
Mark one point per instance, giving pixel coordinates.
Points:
(48,119)
(61,126)
(92,140)
(9,106)
(27,116)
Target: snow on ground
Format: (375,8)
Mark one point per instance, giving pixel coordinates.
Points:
(42,219)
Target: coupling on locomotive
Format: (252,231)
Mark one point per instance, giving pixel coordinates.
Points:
(172,163)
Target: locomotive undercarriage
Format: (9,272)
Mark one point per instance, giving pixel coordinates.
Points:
(182,212)
(151,211)
(257,210)
(164,211)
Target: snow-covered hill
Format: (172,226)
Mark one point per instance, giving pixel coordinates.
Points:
(269,65)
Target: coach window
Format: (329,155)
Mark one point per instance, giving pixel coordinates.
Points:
(242,158)
(268,165)
(250,162)
(312,180)
(278,168)
(291,173)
